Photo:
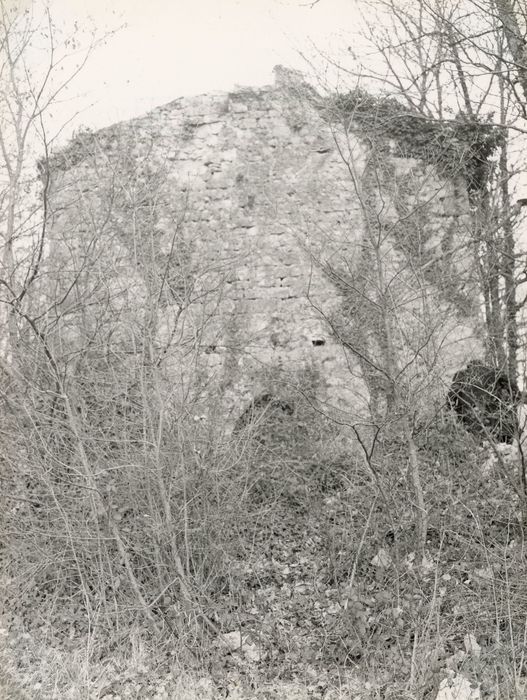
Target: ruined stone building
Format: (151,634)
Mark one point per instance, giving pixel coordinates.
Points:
(271,244)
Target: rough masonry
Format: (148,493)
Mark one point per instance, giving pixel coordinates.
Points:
(247,230)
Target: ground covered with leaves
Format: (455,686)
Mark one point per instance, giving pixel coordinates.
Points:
(320,593)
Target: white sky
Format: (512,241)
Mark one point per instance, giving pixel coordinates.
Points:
(170,48)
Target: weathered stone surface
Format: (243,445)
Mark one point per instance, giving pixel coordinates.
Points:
(249,197)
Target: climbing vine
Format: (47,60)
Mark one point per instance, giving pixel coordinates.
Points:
(462,146)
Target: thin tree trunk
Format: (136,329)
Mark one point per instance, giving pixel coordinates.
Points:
(488,262)
(515,41)
(421,514)
(508,263)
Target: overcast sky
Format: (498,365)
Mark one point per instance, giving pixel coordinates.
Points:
(170,48)
(163,49)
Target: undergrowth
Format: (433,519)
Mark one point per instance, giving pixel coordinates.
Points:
(300,575)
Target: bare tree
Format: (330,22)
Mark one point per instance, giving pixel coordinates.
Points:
(103,441)
(457,62)
(31,88)
(513,18)
(405,274)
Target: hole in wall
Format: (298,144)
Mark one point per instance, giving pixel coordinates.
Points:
(249,204)
(318,342)
(266,411)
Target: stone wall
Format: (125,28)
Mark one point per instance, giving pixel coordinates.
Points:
(250,218)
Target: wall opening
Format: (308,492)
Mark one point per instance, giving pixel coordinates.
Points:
(266,418)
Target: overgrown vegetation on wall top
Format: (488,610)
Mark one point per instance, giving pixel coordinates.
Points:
(462,146)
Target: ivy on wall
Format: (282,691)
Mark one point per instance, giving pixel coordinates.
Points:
(462,146)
